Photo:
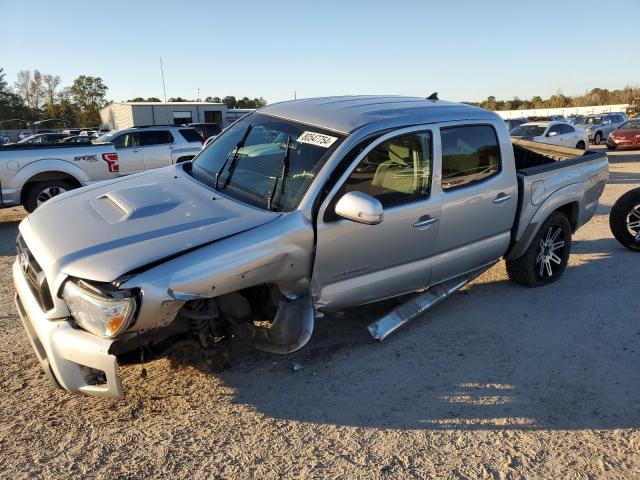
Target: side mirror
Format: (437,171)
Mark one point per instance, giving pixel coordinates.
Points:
(360,207)
(552,134)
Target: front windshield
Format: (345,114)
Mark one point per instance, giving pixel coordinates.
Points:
(592,121)
(265,161)
(528,131)
(631,125)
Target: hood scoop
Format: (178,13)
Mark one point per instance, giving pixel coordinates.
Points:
(134,202)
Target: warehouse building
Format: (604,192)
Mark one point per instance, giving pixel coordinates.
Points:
(134,114)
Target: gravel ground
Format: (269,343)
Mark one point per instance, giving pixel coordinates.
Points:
(500,381)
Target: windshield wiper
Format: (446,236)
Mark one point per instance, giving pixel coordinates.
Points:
(234,160)
(282,173)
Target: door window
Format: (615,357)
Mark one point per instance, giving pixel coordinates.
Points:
(155,137)
(470,154)
(554,129)
(564,128)
(126,140)
(396,171)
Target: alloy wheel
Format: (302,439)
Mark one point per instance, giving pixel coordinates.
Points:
(550,252)
(633,222)
(48,193)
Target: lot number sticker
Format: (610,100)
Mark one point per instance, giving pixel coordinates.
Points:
(317,139)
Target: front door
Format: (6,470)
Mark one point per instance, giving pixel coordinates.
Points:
(357,263)
(130,155)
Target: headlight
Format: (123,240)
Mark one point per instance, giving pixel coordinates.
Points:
(102,316)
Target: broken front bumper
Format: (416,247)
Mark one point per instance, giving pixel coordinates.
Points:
(72,359)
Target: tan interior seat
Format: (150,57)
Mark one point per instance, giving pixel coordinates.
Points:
(397,173)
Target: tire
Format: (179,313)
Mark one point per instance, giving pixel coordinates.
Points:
(624,219)
(537,266)
(581,145)
(42,191)
(598,138)
(611,147)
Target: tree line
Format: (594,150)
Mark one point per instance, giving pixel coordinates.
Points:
(229,101)
(36,96)
(596,96)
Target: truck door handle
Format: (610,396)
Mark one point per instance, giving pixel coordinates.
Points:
(501,198)
(425,222)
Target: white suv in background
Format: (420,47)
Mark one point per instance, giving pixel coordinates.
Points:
(553,133)
(146,148)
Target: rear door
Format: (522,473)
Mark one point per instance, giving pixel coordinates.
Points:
(357,263)
(130,155)
(477,191)
(570,137)
(156,145)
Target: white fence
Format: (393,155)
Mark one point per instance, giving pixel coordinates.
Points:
(545,112)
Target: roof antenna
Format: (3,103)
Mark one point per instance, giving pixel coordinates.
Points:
(433,96)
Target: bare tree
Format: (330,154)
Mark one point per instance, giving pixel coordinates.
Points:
(51,82)
(37,90)
(22,86)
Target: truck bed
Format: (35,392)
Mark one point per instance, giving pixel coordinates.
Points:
(543,170)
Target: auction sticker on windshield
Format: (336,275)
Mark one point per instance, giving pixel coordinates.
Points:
(317,139)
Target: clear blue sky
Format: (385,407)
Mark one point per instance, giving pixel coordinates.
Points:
(466,50)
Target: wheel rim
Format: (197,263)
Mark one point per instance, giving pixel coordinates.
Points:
(633,223)
(48,193)
(550,252)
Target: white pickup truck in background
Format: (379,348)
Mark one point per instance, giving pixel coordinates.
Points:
(32,174)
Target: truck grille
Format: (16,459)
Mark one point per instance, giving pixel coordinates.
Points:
(34,275)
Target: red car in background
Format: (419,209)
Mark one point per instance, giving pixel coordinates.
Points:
(628,135)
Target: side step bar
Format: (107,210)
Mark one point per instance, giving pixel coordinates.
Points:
(385,326)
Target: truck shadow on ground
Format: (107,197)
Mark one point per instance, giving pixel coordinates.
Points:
(495,356)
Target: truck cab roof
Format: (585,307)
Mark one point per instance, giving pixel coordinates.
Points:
(346,114)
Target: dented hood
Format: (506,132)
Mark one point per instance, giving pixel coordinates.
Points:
(104,231)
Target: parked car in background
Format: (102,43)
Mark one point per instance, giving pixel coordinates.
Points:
(72,131)
(625,136)
(4,140)
(77,139)
(514,122)
(89,133)
(146,148)
(207,130)
(31,174)
(574,119)
(23,135)
(552,133)
(40,138)
(300,208)
(599,126)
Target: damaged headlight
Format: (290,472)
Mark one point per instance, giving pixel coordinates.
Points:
(102,315)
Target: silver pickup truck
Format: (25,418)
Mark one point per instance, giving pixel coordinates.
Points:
(32,174)
(297,209)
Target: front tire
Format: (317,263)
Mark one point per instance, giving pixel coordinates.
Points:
(624,219)
(581,145)
(546,258)
(598,138)
(43,191)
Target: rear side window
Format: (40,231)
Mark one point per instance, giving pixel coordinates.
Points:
(564,128)
(469,155)
(155,137)
(190,135)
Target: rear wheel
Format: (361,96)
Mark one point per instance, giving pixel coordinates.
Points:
(546,258)
(581,145)
(611,147)
(598,138)
(42,191)
(624,219)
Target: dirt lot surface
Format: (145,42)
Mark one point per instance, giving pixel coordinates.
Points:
(500,381)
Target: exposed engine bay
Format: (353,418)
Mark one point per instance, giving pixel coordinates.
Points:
(203,329)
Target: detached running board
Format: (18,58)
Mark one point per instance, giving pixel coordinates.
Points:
(385,326)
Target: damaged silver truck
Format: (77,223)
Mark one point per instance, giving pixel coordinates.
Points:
(298,209)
